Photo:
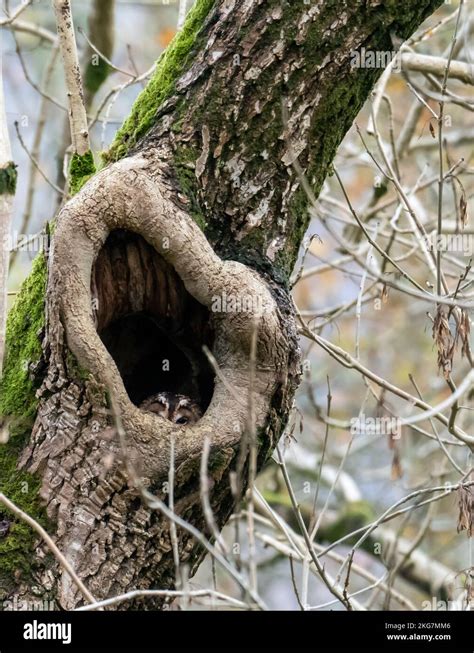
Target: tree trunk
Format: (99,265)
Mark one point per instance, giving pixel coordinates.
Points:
(185,239)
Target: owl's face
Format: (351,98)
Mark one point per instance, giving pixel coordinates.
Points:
(178,409)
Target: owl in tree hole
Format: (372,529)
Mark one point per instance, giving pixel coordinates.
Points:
(178,409)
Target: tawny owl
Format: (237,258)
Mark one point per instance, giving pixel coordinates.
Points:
(178,409)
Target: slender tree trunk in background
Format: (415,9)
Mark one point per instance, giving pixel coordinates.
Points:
(67,43)
(185,239)
(7,191)
(101,32)
(95,70)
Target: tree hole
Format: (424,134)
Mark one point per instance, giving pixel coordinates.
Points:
(152,327)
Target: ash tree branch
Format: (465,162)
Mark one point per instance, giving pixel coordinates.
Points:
(424,63)
(36,30)
(19,10)
(344,358)
(77,110)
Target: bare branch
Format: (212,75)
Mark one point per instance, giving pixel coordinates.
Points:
(77,111)
(437,66)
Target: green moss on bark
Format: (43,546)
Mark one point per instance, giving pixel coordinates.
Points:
(184,165)
(332,119)
(81,169)
(171,65)
(8,178)
(23,344)
(18,405)
(16,548)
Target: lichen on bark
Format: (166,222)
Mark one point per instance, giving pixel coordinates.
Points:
(232,154)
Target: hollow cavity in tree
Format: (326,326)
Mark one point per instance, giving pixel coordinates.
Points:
(152,327)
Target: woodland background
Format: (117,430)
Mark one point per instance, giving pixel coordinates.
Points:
(341,481)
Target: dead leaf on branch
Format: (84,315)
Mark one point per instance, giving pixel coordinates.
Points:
(466,510)
(464,330)
(445,341)
(396,469)
(463,209)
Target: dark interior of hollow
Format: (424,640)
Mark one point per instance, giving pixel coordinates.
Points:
(152,327)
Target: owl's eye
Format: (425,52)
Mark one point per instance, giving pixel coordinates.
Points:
(182,420)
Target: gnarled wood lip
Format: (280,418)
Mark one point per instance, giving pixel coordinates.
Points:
(125,197)
(100,518)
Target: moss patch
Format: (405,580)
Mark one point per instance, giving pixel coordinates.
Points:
(23,344)
(81,169)
(22,488)
(18,405)
(171,65)
(184,160)
(8,178)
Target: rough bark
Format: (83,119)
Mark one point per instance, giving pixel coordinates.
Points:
(199,201)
